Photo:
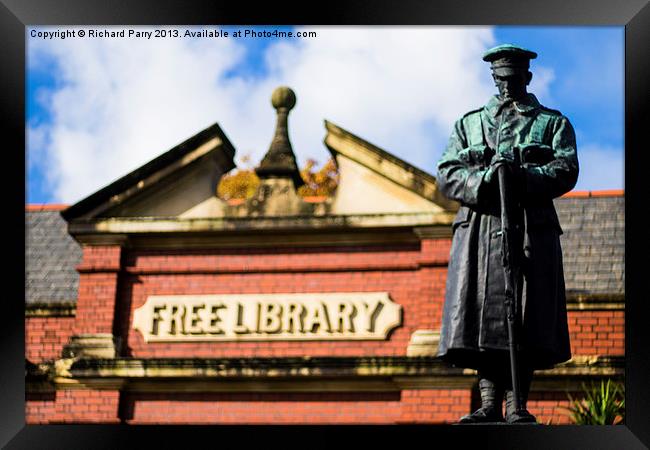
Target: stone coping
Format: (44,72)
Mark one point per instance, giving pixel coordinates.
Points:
(595,301)
(382,373)
(51,309)
(308,222)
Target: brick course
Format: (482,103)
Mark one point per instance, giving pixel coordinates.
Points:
(435,405)
(264,408)
(39,408)
(86,406)
(597,332)
(98,282)
(46,336)
(551,407)
(409,406)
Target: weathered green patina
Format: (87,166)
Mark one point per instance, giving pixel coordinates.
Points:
(544,137)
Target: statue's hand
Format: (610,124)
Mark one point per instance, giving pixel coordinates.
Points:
(535,153)
(514,170)
(491,174)
(476,155)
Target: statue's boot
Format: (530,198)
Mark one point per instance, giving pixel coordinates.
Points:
(491,399)
(521,416)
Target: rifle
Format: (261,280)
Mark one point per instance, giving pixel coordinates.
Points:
(510,270)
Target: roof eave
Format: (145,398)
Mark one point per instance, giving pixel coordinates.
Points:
(93,202)
(411,177)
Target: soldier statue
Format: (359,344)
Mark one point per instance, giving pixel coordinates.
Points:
(536,147)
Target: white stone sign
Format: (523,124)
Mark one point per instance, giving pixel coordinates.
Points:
(327,316)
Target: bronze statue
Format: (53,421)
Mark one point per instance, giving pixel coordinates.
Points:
(518,152)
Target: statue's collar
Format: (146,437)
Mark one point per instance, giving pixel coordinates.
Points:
(526,105)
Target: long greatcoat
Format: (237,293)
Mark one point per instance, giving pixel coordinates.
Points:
(474,319)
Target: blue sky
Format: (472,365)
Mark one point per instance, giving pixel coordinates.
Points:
(99,108)
(589,75)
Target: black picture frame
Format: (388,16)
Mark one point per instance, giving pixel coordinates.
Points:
(16,15)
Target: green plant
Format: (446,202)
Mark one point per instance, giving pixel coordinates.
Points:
(601,405)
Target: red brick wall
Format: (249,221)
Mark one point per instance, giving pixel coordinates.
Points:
(435,405)
(264,408)
(86,406)
(46,336)
(98,277)
(409,406)
(39,408)
(413,275)
(420,291)
(597,332)
(72,406)
(417,406)
(547,407)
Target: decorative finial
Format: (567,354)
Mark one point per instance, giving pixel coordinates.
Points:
(280,160)
(283,97)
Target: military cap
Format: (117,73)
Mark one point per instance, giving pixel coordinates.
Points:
(508,58)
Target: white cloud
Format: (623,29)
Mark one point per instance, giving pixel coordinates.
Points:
(542,78)
(600,168)
(385,84)
(122,102)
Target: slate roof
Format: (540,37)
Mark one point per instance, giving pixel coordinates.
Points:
(593,246)
(51,256)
